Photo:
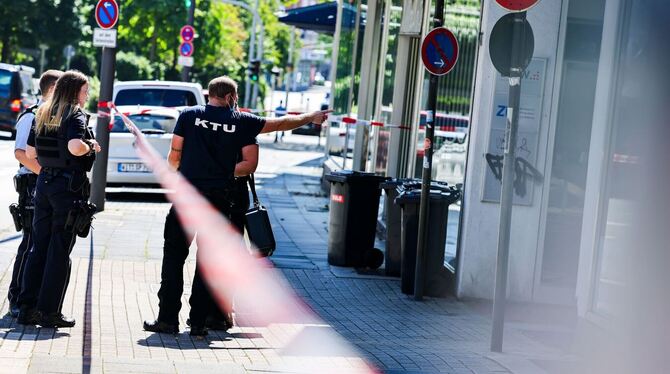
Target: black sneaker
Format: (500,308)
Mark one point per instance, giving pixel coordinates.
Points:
(28,316)
(56,320)
(198,331)
(161,327)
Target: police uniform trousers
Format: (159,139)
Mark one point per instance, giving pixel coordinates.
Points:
(25,203)
(175,252)
(47,272)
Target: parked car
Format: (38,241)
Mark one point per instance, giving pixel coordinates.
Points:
(308,129)
(124,167)
(158,93)
(338,135)
(17,92)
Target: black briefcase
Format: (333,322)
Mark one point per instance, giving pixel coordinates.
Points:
(258,225)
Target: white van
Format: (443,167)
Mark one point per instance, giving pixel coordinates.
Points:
(167,94)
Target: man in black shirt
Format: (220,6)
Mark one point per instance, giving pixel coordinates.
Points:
(205,148)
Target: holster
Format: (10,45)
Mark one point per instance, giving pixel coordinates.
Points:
(16,216)
(80,218)
(22,213)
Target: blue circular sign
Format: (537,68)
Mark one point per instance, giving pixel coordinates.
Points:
(106,13)
(186,49)
(439,51)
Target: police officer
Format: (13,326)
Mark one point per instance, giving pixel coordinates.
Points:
(65,149)
(205,147)
(25,181)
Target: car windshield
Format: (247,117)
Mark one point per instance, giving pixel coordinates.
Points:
(5,83)
(155,97)
(147,123)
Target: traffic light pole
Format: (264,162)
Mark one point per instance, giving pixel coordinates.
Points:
(252,41)
(186,71)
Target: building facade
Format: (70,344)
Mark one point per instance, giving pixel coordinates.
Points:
(574,138)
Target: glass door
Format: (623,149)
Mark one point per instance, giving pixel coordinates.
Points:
(557,278)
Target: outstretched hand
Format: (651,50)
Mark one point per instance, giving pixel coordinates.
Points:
(320,116)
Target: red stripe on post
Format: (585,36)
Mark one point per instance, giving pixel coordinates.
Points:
(349,120)
(378,124)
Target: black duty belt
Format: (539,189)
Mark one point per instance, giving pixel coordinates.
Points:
(60,172)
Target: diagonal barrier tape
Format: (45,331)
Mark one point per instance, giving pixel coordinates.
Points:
(226,264)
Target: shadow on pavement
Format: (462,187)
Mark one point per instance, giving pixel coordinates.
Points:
(183,340)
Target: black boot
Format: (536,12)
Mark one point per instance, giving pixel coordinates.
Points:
(28,316)
(198,331)
(161,327)
(56,320)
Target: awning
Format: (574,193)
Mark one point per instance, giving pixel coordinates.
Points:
(321,17)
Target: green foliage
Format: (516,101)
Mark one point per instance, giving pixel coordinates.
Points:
(94,89)
(131,66)
(148,37)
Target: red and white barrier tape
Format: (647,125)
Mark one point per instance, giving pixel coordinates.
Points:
(226,264)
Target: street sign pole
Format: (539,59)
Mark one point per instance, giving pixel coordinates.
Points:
(186,70)
(424,208)
(507,194)
(107,70)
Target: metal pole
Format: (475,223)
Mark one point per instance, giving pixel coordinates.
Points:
(288,74)
(507,193)
(259,57)
(424,208)
(186,71)
(252,49)
(107,69)
(43,49)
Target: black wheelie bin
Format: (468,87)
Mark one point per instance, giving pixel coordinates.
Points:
(354,203)
(409,199)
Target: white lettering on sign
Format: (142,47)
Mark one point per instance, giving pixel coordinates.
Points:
(185,61)
(215,126)
(104,38)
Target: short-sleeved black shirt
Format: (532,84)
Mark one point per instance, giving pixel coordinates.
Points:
(76,127)
(213,137)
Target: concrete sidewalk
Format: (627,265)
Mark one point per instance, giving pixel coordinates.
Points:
(116,275)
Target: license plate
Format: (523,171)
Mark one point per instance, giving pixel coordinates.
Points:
(133,167)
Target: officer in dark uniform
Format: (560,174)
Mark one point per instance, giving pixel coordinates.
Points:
(205,147)
(25,181)
(65,149)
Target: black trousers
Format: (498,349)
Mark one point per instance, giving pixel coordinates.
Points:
(25,202)
(47,271)
(240,205)
(175,252)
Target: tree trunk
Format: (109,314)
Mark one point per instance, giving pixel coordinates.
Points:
(5,55)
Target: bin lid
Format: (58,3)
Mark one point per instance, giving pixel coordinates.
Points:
(440,193)
(343,176)
(415,185)
(395,182)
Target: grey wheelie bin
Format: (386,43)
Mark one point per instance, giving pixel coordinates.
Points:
(441,196)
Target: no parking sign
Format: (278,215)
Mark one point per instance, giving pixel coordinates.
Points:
(106,13)
(439,51)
